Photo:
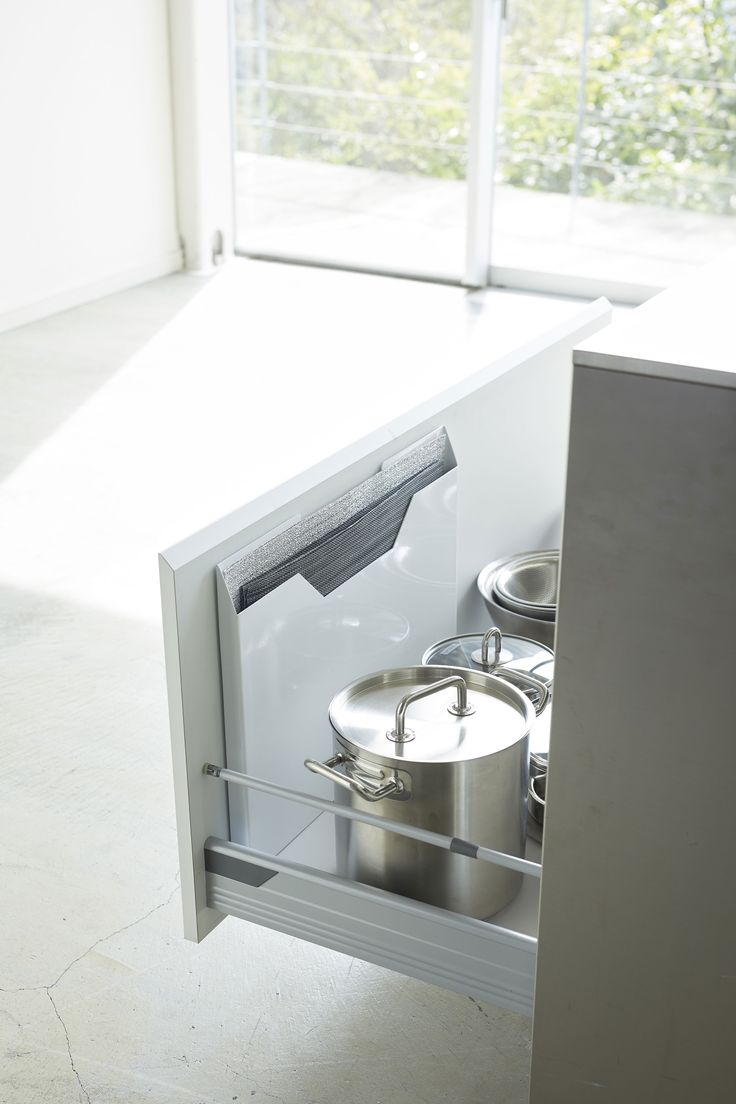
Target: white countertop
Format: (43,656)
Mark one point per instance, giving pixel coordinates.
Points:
(684,333)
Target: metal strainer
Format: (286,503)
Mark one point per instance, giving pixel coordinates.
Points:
(528,584)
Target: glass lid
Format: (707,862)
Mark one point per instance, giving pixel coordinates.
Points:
(430,715)
(545,670)
(500,649)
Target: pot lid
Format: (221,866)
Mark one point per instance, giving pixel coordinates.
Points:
(516,652)
(545,670)
(430,715)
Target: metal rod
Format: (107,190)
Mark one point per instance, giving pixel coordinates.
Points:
(543,158)
(485,854)
(364,135)
(352,94)
(366,55)
(554,69)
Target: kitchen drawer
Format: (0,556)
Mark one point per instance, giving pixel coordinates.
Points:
(269,860)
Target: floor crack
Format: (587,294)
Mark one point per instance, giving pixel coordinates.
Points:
(258,1024)
(102,939)
(47,988)
(111,935)
(68,1045)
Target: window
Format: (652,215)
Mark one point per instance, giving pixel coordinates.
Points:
(576,140)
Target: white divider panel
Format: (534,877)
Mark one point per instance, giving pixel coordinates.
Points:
(284,658)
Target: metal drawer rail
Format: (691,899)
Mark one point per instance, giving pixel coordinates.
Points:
(462,847)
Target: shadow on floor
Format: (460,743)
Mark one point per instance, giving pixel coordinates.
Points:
(85,347)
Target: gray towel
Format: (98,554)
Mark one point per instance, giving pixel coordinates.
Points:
(351,546)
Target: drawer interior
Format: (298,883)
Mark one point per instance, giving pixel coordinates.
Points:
(507,429)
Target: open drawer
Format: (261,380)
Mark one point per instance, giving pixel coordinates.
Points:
(253,656)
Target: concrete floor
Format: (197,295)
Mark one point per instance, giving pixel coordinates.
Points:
(106,413)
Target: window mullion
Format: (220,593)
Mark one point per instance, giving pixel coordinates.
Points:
(488,20)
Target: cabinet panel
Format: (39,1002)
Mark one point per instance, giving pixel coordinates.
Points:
(508,429)
(636,985)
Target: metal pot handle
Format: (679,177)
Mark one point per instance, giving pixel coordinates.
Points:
(495,635)
(369,793)
(541,798)
(400,734)
(530,682)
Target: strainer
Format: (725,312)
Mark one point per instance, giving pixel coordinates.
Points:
(528,584)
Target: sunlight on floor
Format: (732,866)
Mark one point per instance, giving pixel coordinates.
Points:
(154,453)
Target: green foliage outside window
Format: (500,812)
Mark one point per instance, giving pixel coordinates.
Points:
(648,114)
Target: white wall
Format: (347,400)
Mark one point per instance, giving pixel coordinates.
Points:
(87,195)
(200,71)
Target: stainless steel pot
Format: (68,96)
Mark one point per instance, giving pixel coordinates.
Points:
(537,797)
(524,663)
(442,750)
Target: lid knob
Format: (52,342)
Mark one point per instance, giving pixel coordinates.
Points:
(495,635)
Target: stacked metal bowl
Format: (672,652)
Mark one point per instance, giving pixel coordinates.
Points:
(520,593)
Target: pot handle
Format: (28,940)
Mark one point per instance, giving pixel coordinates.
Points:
(541,798)
(400,734)
(369,793)
(527,682)
(495,636)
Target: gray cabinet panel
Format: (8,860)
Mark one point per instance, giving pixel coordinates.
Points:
(636,978)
